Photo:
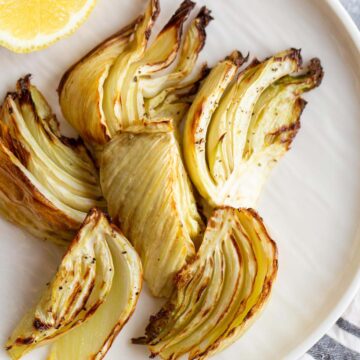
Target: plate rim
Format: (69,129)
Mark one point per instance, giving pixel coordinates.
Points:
(350,28)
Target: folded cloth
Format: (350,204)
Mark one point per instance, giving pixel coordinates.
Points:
(342,341)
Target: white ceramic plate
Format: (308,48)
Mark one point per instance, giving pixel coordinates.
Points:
(311,203)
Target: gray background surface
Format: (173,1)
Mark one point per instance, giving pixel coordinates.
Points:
(353,7)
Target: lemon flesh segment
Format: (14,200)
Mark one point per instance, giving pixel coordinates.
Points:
(29,25)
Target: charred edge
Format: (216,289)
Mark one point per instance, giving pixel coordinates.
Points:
(293,54)
(121,34)
(41,326)
(155,12)
(11,94)
(204,72)
(259,305)
(253,213)
(75,240)
(296,55)
(72,142)
(204,16)
(9,347)
(316,70)
(186,96)
(180,15)
(261,223)
(254,62)
(147,34)
(49,134)
(158,321)
(202,20)
(142,340)
(237,58)
(209,351)
(25,98)
(302,104)
(23,89)
(231,332)
(275,262)
(24,341)
(110,339)
(291,130)
(47,130)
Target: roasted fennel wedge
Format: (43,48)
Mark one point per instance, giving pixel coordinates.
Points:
(89,300)
(238,128)
(220,293)
(150,196)
(82,85)
(144,97)
(126,81)
(48,182)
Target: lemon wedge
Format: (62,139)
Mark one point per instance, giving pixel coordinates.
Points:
(29,25)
